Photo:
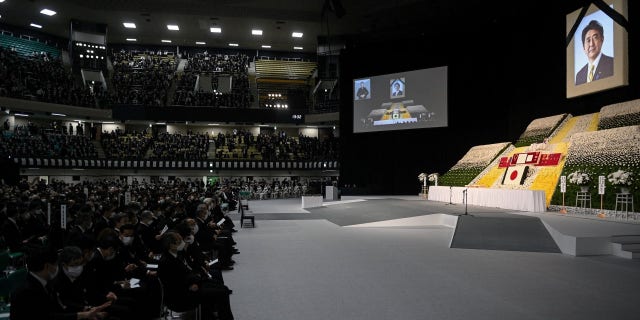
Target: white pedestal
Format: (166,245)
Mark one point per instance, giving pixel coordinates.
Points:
(331,193)
(311,201)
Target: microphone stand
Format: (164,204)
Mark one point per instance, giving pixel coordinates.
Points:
(464,192)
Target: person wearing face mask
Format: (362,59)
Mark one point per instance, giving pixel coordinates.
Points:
(147,232)
(71,286)
(194,255)
(185,288)
(38,299)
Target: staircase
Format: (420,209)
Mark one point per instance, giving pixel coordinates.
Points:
(98,146)
(211,152)
(626,246)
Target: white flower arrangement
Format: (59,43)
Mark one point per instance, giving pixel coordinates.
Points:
(621,178)
(542,125)
(480,156)
(433,177)
(618,147)
(579,178)
(422,176)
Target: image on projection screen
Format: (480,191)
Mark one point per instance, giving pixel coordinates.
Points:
(407,100)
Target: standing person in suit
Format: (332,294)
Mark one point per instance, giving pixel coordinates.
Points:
(37,298)
(599,65)
(362,92)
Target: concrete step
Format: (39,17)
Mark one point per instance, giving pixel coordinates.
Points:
(630,238)
(627,246)
(627,254)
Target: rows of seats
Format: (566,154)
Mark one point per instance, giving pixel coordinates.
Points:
(55,141)
(27,48)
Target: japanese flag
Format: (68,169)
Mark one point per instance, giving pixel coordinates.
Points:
(515,175)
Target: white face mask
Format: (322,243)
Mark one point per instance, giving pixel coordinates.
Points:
(127,241)
(189,239)
(195,229)
(181,246)
(73,272)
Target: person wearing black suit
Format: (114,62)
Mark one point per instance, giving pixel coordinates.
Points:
(72,289)
(11,231)
(362,92)
(592,39)
(397,91)
(37,298)
(185,288)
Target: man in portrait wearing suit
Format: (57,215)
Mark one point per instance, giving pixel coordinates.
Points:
(362,92)
(599,65)
(397,90)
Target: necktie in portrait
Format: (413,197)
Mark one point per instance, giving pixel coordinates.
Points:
(592,69)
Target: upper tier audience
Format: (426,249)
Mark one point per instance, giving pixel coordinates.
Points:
(41,78)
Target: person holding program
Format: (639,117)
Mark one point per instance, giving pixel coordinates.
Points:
(599,65)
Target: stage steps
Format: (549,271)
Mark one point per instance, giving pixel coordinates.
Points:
(626,246)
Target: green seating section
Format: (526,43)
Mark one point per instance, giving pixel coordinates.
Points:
(25,47)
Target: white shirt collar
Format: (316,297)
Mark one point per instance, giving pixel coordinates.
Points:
(43,282)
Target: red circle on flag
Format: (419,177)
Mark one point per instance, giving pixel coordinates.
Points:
(514,175)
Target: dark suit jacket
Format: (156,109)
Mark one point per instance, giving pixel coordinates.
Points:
(398,93)
(12,236)
(72,294)
(176,279)
(33,301)
(604,69)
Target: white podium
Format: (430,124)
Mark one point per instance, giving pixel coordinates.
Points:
(331,193)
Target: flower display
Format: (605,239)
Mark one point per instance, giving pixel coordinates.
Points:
(612,147)
(620,178)
(480,156)
(579,178)
(422,176)
(620,114)
(433,177)
(539,129)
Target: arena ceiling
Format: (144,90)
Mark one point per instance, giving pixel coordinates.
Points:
(277,18)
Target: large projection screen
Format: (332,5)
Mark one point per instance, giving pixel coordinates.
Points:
(606,52)
(406,100)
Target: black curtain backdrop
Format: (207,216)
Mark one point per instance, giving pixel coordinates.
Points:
(506,67)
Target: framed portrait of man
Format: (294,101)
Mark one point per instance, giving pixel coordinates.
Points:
(597,57)
(397,88)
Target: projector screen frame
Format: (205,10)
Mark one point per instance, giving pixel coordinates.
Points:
(415,99)
(617,48)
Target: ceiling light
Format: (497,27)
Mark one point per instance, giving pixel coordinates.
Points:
(266,46)
(297,48)
(129,25)
(233,44)
(20,114)
(200,42)
(256,32)
(48,12)
(296,34)
(59,114)
(173,27)
(36,25)
(1,1)
(108,122)
(213,124)
(166,41)
(216,29)
(132,39)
